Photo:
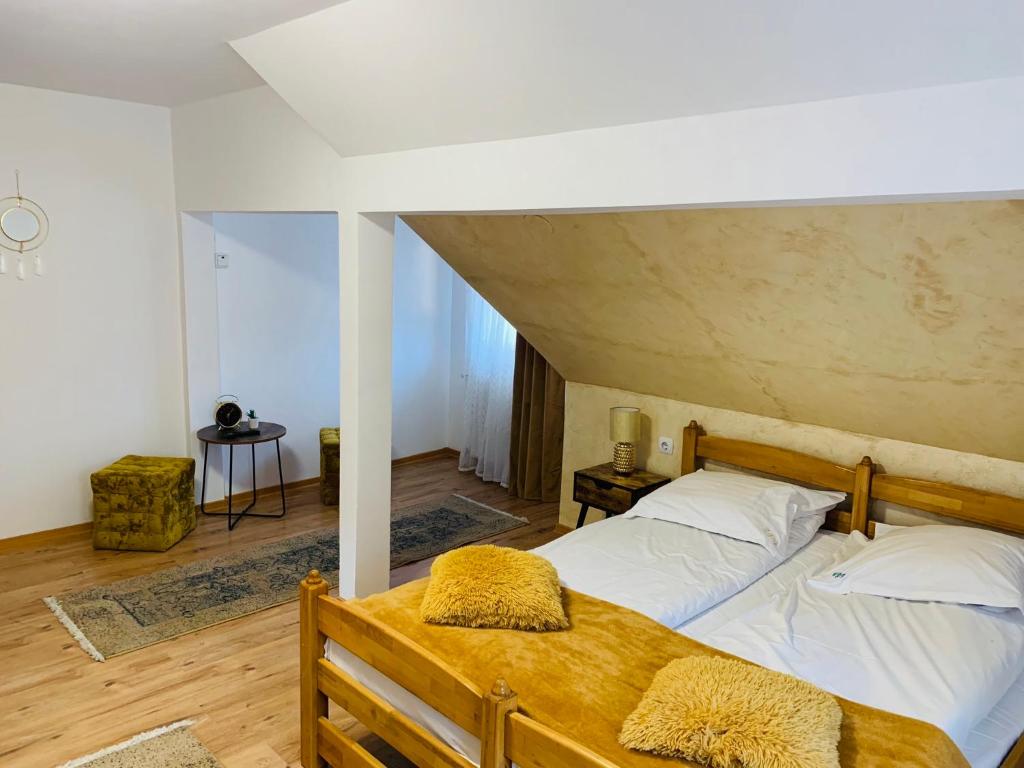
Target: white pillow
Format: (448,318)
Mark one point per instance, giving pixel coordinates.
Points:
(881,529)
(739,506)
(941,563)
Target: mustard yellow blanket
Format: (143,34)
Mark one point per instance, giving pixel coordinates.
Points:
(584,681)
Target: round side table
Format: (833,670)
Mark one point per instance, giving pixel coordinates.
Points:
(214,435)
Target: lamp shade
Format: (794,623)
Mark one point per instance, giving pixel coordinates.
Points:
(625,424)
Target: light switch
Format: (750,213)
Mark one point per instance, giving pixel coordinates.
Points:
(666,445)
(220,260)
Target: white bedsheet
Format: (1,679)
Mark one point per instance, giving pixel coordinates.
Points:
(666,571)
(950,665)
(985,746)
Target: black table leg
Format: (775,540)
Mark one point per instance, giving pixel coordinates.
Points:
(232,516)
(231,472)
(253,502)
(280,475)
(202,493)
(583,515)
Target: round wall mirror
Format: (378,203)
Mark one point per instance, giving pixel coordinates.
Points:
(23,224)
(19,224)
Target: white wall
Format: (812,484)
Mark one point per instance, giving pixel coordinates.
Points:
(266,329)
(202,343)
(457,387)
(91,357)
(277,310)
(421,346)
(248,151)
(957,141)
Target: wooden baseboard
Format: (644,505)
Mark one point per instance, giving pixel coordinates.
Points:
(42,537)
(261,493)
(270,490)
(440,453)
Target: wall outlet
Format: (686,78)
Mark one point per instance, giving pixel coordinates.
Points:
(220,260)
(666,444)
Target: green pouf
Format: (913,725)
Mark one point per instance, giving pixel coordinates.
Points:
(143,503)
(330,464)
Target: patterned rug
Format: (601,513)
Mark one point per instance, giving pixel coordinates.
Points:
(172,746)
(130,614)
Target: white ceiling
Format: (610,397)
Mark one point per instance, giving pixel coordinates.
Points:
(154,51)
(381,75)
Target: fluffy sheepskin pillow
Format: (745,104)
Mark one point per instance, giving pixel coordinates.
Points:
(726,713)
(497,587)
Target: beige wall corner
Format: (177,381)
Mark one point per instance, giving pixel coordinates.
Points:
(587,443)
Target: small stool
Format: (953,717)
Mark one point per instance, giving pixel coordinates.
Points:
(330,464)
(143,503)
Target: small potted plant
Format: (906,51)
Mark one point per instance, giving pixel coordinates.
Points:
(254,420)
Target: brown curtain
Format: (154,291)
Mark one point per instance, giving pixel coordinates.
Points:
(538,416)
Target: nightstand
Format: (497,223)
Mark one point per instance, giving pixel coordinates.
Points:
(612,493)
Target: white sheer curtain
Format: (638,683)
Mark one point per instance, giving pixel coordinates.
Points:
(487,414)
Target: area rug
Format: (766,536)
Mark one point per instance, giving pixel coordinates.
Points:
(116,618)
(172,746)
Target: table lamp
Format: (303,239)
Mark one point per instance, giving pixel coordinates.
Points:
(625,432)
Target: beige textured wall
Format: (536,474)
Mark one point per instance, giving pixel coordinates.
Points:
(587,443)
(900,320)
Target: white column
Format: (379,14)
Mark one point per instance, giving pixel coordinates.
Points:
(365,275)
(202,345)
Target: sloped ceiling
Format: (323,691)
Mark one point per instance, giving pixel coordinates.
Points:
(384,75)
(903,321)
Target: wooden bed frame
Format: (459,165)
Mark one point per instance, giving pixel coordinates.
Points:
(968,504)
(506,734)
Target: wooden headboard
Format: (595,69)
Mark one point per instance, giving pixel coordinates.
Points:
(791,465)
(981,507)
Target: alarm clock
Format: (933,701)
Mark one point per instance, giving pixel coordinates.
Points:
(227,413)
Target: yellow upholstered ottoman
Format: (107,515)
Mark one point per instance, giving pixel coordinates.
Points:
(143,502)
(330,464)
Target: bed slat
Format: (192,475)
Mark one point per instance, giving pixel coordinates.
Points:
(412,667)
(405,735)
(341,751)
(529,744)
(982,507)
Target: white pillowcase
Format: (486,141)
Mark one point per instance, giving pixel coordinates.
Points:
(941,563)
(739,506)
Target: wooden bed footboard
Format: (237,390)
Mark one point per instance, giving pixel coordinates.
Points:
(505,733)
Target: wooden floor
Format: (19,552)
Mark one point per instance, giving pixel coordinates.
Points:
(239,679)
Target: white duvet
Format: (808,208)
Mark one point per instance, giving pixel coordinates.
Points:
(945,664)
(666,571)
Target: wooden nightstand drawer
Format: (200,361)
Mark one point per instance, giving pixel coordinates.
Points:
(602,494)
(601,487)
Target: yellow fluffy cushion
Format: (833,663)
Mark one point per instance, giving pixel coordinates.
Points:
(729,714)
(498,587)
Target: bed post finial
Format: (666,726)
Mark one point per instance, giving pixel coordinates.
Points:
(497,705)
(861,503)
(688,459)
(313,577)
